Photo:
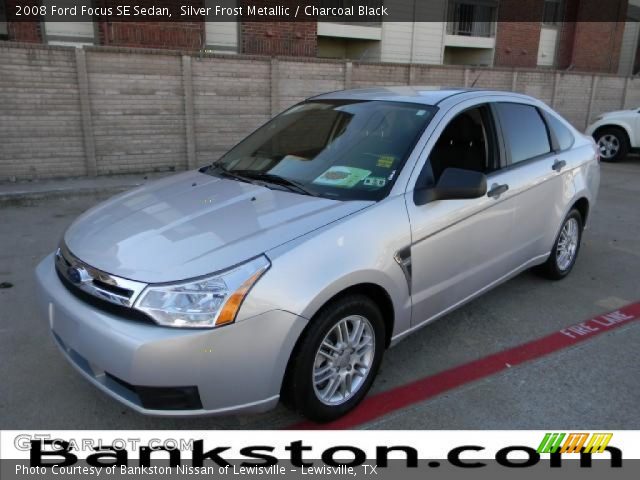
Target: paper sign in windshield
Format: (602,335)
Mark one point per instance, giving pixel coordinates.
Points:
(386,161)
(344,177)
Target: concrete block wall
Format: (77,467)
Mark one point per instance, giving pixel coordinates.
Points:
(434,75)
(536,84)
(137,111)
(103,110)
(572,98)
(491,79)
(231,98)
(632,99)
(298,80)
(608,94)
(40,124)
(378,74)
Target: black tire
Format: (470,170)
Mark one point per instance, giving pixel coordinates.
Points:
(298,388)
(550,269)
(620,136)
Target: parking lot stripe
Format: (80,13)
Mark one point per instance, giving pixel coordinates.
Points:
(422,389)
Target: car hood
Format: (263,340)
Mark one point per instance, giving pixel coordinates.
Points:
(617,113)
(193,224)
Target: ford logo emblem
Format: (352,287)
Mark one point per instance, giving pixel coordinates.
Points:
(74,275)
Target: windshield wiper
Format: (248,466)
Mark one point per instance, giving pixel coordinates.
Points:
(249,176)
(291,185)
(228,173)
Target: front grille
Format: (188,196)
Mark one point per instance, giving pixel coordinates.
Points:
(122,292)
(103,305)
(119,291)
(100,289)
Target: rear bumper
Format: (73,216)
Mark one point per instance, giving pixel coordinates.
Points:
(236,368)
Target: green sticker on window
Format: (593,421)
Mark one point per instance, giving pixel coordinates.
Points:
(345,177)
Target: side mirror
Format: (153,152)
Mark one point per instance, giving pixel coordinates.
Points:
(454,184)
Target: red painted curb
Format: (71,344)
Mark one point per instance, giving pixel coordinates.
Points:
(422,389)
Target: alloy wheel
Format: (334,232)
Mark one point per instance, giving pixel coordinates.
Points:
(609,146)
(567,244)
(344,359)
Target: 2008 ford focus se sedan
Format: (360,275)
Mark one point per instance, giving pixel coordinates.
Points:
(284,269)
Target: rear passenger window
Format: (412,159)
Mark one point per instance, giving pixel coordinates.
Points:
(562,133)
(525,132)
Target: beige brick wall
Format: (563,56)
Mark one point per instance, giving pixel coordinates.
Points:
(138,102)
(231,98)
(137,110)
(633,94)
(536,84)
(430,75)
(609,93)
(572,98)
(491,79)
(300,80)
(40,126)
(377,74)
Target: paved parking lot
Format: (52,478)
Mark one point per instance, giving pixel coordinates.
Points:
(593,385)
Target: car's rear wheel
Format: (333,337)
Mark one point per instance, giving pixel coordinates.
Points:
(337,359)
(613,144)
(565,249)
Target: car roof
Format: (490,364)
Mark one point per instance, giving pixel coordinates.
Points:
(427,95)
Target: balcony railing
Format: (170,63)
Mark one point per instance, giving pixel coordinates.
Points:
(471,20)
(357,24)
(377,21)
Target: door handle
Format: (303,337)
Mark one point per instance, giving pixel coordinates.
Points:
(558,165)
(497,190)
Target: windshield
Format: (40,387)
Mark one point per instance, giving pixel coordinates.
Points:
(338,149)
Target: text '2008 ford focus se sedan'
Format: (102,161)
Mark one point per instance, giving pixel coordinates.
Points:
(288,266)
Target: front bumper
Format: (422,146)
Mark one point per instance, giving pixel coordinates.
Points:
(236,368)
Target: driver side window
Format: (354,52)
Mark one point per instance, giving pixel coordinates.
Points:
(467,142)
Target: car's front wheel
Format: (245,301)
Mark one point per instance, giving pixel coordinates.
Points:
(613,144)
(337,359)
(565,249)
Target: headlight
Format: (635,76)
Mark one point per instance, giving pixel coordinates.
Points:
(204,302)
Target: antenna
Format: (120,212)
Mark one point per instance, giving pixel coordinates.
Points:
(477,78)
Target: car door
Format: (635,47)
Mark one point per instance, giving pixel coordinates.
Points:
(535,173)
(460,247)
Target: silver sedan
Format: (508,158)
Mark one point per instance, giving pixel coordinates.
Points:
(284,269)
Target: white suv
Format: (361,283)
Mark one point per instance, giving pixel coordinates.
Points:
(616,133)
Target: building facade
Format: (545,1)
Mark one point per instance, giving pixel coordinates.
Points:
(466,32)
(560,39)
